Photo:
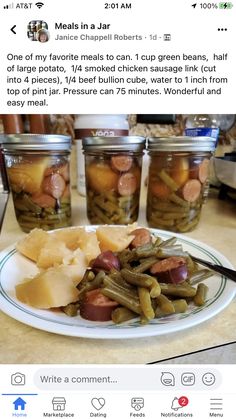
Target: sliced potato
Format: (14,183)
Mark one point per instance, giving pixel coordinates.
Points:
(47,290)
(53,253)
(31,245)
(115,239)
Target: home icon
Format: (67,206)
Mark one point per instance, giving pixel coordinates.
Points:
(19,403)
(59,403)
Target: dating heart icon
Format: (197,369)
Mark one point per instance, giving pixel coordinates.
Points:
(98,403)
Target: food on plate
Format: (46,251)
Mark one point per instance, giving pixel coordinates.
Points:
(113,188)
(152,279)
(175,191)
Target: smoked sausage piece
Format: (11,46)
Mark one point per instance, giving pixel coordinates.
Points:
(191,190)
(127,184)
(171,270)
(96,307)
(54,185)
(142,236)
(121,163)
(203,170)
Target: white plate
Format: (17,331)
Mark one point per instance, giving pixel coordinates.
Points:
(14,267)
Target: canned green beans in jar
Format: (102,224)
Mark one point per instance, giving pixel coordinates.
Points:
(113,177)
(178,175)
(39,177)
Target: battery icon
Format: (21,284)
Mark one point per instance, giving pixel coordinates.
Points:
(226,5)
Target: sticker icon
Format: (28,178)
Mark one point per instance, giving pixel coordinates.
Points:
(167,379)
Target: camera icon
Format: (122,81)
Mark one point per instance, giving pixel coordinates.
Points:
(18,379)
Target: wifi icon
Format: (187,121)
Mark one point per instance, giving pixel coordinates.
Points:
(39,4)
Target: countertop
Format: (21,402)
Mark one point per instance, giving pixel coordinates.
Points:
(20,343)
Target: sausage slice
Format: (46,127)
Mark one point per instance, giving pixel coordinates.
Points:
(171,270)
(121,163)
(191,190)
(142,236)
(127,184)
(97,307)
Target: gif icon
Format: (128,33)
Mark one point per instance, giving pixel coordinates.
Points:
(188,379)
(18,379)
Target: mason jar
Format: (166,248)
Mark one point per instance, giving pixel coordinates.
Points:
(39,177)
(177,180)
(113,177)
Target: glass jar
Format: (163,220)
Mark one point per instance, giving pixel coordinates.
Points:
(113,177)
(38,173)
(178,174)
(94,125)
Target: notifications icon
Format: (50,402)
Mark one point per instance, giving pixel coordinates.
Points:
(167,379)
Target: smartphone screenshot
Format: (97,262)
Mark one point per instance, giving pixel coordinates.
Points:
(117,209)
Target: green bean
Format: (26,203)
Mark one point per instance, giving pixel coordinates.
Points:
(122,299)
(168,242)
(168,180)
(145,302)
(187,226)
(167,252)
(107,206)
(200,297)
(110,283)
(178,290)
(90,285)
(117,277)
(167,207)
(100,214)
(158,242)
(19,205)
(199,276)
(71,309)
(174,215)
(110,196)
(31,205)
(155,289)
(177,200)
(180,306)
(191,266)
(145,265)
(122,314)
(165,305)
(141,280)
(143,320)
(147,250)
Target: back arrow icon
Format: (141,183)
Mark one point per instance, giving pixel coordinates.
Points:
(13,29)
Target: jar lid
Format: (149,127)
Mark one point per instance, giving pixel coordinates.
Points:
(181,143)
(35,142)
(129,143)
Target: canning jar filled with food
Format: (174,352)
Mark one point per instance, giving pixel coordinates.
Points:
(178,174)
(38,173)
(113,177)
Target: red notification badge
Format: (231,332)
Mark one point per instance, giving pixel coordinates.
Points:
(183,401)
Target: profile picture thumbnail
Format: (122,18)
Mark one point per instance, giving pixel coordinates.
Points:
(37,30)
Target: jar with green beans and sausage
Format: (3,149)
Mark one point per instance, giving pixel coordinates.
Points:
(113,177)
(39,177)
(178,175)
